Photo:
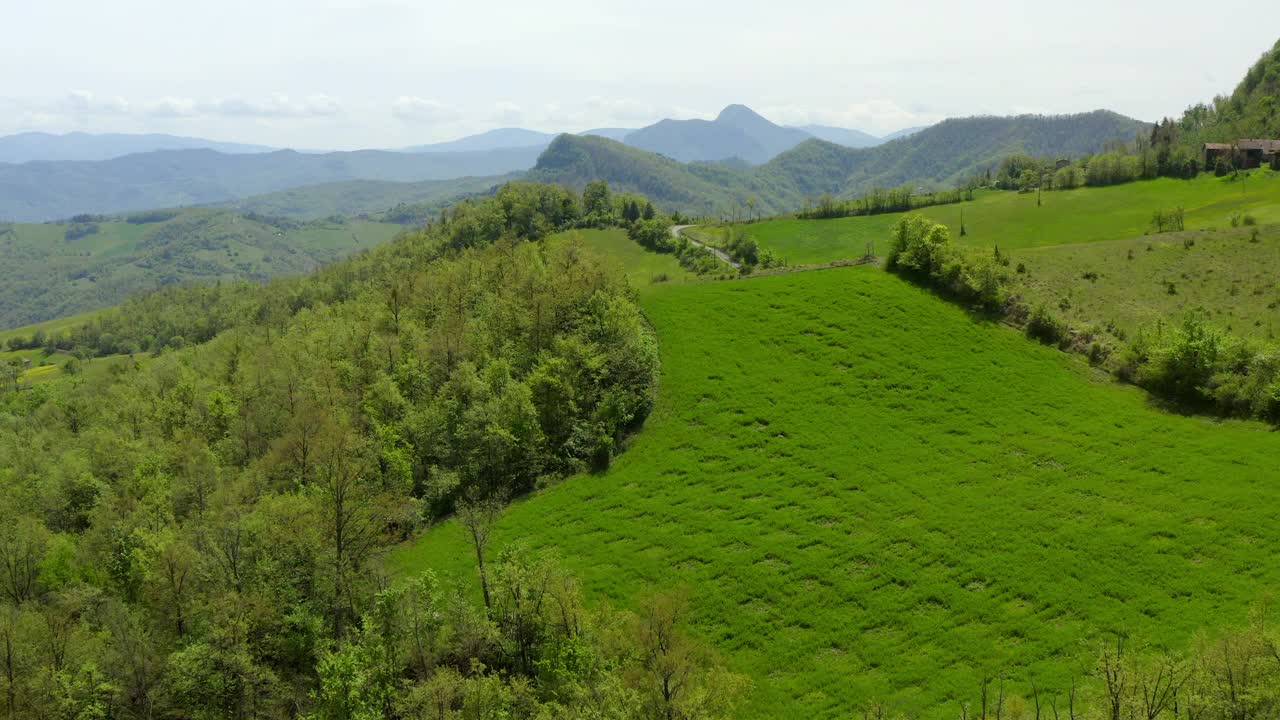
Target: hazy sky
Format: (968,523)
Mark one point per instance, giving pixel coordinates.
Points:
(386,73)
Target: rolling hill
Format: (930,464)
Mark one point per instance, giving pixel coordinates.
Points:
(40,191)
(698,188)
(56,269)
(49,147)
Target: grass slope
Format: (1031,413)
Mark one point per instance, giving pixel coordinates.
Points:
(1013,220)
(45,275)
(644,268)
(869,494)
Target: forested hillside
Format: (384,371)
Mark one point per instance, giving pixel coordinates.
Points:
(412,202)
(196,533)
(52,270)
(1251,111)
(40,191)
(698,188)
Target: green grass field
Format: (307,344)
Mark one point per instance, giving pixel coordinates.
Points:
(1013,220)
(869,494)
(1128,283)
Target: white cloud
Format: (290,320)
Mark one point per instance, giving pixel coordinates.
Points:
(171,107)
(276,106)
(876,116)
(82,103)
(416,109)
(508,113)
(621,111)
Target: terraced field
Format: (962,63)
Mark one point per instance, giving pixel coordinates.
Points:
(870,494)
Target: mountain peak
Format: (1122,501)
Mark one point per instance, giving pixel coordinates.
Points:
(736,114)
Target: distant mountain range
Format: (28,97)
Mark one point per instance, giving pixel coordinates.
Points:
(738,132)
(721,162)
(38,146)
(499,139)
(935,157)
(39,191)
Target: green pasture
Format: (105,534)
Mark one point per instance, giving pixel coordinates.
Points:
(870,494)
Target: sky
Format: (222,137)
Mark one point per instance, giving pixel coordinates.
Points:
(346,74)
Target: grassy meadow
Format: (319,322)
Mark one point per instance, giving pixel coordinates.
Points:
(1233,275)
(870,494)
(1012,220)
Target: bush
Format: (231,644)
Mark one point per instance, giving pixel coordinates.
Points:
(919,246)
(79,230)
(1181,365)
(1045,327)
(652,234)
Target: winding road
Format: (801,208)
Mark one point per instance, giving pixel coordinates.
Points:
(678,231)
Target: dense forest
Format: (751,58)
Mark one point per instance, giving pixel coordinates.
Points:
(197,533)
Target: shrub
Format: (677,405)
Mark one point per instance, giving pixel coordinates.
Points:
(79,230)
(652,234)
(1183,363)
(1044,327)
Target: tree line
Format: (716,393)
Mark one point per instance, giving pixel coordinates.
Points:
(884,200)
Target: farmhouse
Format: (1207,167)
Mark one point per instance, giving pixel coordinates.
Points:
(1245,153)
(1255,152)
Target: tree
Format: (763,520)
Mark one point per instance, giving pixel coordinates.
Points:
(353,513)
(595,199)
(678,679)
(22,546)
(478,514)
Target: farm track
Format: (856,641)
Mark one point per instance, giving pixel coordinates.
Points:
(678,231)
